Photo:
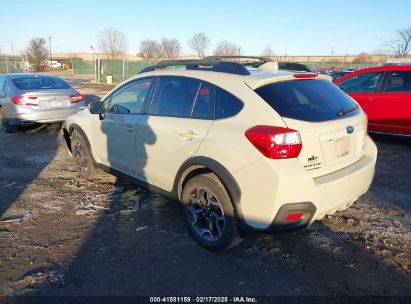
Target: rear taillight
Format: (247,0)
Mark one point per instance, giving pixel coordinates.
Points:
(18,100)
(24,100)
(76,98)
(275,142)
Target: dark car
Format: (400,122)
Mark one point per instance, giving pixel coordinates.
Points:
(339,74)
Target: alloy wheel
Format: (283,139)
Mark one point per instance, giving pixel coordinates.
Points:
(80,157)
(206,214)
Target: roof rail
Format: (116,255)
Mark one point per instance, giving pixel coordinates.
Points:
(261,58)
(291,66)
(202,65)
(219,64)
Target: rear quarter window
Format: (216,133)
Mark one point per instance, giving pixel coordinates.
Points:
(226,104)
(308,100)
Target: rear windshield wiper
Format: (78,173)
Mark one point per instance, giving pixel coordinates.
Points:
(343,112)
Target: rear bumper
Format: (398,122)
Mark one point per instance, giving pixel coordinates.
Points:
(26,115)
(267,186)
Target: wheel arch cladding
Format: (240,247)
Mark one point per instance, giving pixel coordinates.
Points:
(201,164)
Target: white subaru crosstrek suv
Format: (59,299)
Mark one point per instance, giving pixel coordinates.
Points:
(240,148)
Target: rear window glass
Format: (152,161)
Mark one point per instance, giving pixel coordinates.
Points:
(308,100)
(399,82)
(40,83)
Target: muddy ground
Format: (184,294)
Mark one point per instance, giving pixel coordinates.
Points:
(62,235)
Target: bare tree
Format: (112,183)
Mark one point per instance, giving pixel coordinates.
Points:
(170,48)
(227,48)
(149,49)
(363,58)
(112,42)
(267,51)
(402,45)
(199,43)
(382,54)
(36,53)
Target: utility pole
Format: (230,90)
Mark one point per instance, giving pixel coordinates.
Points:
(51,58)
(12,48)
(332,51)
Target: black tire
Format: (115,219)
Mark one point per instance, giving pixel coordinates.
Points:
(206,203)
(7,127)
(82,157)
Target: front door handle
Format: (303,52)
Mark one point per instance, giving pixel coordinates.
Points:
(188,134)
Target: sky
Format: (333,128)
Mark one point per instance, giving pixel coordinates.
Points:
(297,27)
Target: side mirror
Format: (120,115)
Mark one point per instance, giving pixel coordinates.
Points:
(96,107)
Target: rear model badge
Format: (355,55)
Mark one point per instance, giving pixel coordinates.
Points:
(350,129)
(313,164)
(312,158)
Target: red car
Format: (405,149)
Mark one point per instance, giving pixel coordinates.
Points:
(384,93)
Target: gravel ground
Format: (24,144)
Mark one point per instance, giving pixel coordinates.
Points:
(61,235)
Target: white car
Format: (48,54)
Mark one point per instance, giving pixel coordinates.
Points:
(54,64)
(260,148)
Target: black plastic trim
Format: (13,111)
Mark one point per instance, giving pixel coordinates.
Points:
(280,225)
(202,162)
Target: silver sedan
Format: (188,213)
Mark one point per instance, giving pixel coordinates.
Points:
(36,98)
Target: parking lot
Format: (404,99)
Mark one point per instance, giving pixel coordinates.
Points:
(62,235)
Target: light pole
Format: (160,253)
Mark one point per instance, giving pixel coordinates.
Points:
(51,58)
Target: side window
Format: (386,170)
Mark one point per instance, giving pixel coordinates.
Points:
(204,105)
(175,96)
(399,82)
(130,98)
(362,83)
(226,105)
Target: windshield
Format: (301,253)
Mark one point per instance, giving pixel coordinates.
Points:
(308,100)
(39,83)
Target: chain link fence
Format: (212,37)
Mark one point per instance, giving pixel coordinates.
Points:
(105,70)
(11,64)
(117,70)
(83,67)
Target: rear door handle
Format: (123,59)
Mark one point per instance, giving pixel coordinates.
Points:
(188,134)
(129,129)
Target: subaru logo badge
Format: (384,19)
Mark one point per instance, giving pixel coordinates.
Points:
(350,129)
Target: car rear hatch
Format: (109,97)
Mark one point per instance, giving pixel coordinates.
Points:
(328,147)
(331,125)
